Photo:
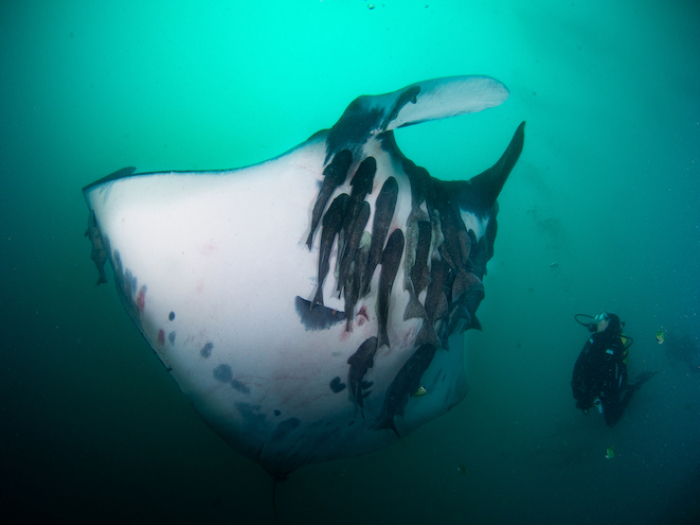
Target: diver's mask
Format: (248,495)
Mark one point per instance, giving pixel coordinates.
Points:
(604,322)
(600,318)
(593,325)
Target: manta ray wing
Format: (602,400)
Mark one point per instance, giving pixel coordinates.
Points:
(234,279)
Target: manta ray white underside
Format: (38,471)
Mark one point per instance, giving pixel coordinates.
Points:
(312,306)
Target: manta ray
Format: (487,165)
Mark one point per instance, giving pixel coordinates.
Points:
(312,306)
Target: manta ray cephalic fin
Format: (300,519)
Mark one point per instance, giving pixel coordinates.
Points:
(370,115)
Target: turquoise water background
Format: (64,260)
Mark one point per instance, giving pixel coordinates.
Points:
(602,212)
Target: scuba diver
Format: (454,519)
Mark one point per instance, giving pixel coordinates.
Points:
(600,373)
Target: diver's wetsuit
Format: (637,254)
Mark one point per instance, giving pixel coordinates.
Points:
(601,371)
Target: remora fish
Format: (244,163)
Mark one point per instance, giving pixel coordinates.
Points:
(218,269)
(391,257)
(98,254)
(360,362)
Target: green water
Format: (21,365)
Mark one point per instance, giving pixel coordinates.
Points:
(92,428)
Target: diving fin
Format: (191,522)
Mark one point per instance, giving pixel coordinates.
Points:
(644,377)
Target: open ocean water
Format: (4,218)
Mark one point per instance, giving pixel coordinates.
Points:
(602,212)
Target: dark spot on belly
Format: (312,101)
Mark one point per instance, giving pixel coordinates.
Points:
(171,338)
(277,412)
(171,316)
(252,416)
(337,385)
(161,337)
(223,373)
(237,385)
(205,351)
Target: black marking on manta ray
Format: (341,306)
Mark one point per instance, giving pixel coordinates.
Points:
(317,318)
(237,385)
(205,351)
(171,337)
(337,385)
(251,415)
(409,95)
(364,117)
(171,316)
(223,373)
(277,412)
